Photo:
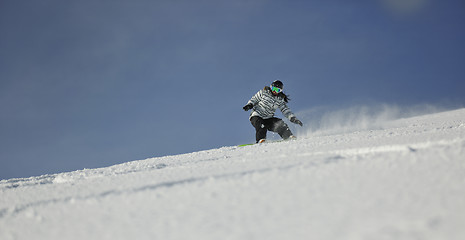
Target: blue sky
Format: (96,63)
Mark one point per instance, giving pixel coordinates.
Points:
(87,84)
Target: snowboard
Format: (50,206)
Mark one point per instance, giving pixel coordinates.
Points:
(267,141)
(247,144)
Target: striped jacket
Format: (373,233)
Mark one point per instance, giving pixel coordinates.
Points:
(265,104)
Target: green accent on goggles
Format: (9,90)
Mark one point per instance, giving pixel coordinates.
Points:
(276,89)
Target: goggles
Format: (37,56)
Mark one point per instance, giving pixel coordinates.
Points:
(276,89)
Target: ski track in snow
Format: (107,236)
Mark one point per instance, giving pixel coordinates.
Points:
(403,181)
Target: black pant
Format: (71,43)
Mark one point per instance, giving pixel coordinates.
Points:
(273,124)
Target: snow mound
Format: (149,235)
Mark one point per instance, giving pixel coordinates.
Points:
(404,180)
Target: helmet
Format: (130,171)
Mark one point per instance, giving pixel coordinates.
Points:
(276,87)
(277,84)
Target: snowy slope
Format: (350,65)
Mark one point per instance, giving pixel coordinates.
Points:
(404,180)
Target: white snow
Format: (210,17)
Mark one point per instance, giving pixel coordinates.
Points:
(404,179)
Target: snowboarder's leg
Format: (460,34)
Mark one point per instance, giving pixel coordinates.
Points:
(280,127)
(260,128)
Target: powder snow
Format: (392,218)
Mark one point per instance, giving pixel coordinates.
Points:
(404,179)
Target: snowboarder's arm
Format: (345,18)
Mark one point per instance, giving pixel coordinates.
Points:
(286,111)
(289,115)
(256,98)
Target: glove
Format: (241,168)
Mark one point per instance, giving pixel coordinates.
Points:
(248,107)
(296,121)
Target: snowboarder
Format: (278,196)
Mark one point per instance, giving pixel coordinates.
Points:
(264,104)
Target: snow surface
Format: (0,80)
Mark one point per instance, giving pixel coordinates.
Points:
(402,180)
